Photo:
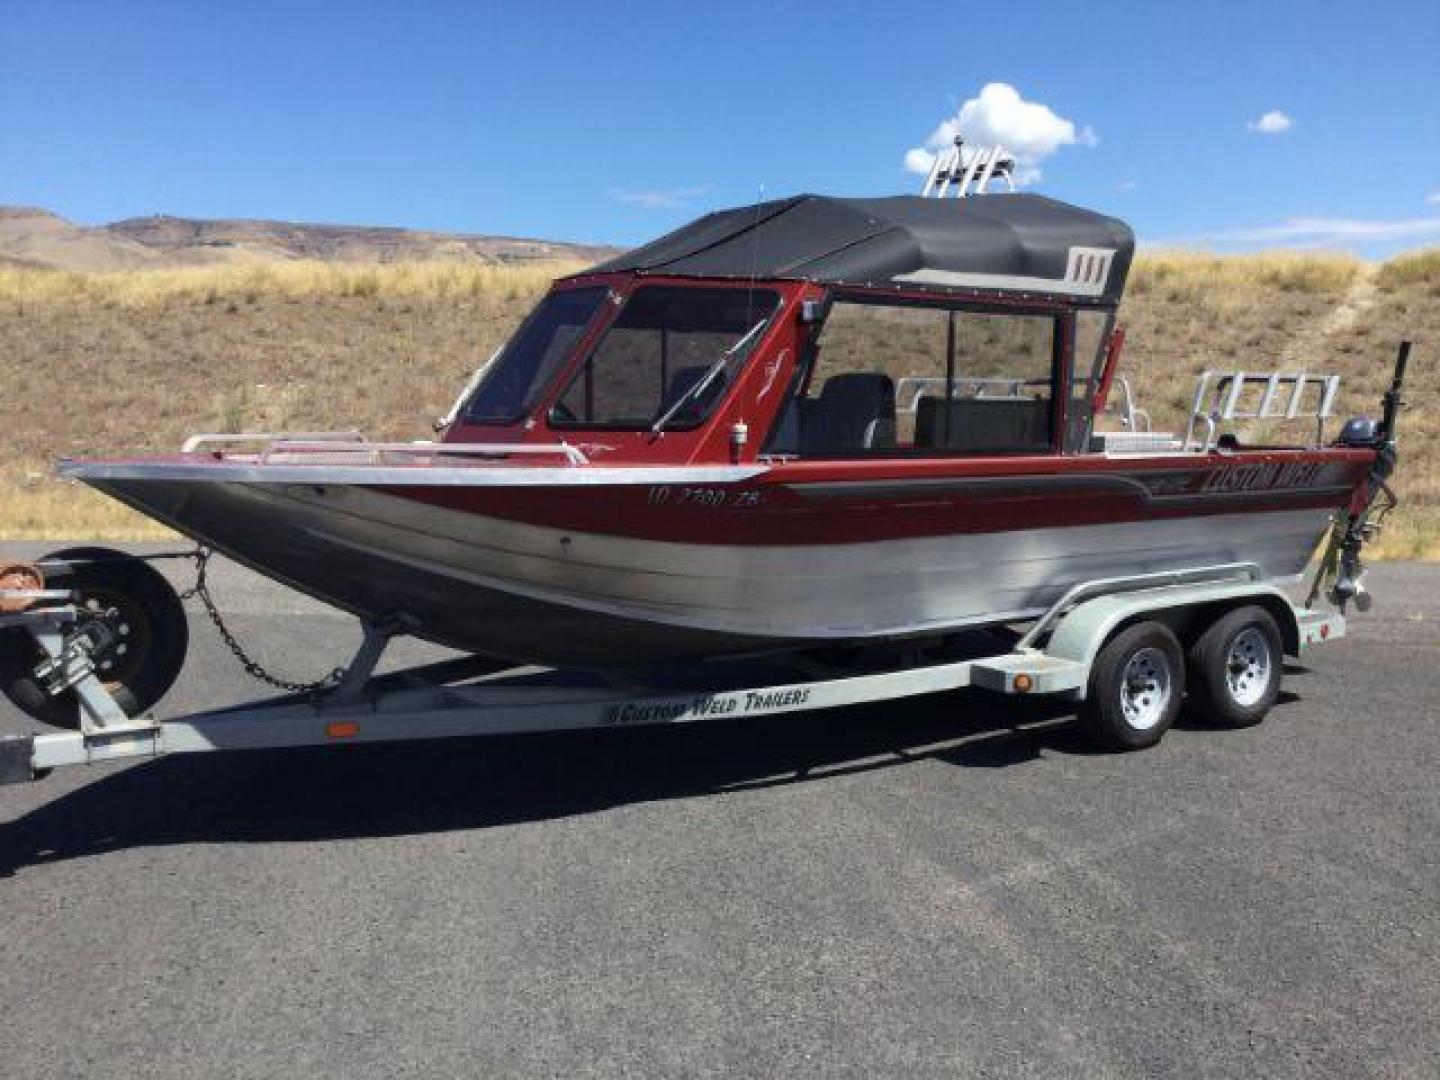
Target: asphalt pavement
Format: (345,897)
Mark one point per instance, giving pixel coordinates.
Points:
(953,886)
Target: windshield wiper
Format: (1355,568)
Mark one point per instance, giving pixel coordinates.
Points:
(702,384)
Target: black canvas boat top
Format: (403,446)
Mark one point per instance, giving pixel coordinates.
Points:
(1014,243)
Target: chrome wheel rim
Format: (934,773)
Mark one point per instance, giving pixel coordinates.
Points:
(1145,689)
(1247,666)
(131,636)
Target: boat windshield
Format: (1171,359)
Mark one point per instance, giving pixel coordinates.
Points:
(528,361)
(667,359)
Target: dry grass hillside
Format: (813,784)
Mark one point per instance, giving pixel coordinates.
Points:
(1300,312)
(138,359)
(34,237)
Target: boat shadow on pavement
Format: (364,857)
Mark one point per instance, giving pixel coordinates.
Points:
(473,783)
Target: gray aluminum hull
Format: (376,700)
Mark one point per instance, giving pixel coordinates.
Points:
(534,594)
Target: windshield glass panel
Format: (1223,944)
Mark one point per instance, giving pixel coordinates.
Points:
(667,358)
(532,356)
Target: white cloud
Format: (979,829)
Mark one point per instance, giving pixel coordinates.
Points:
(919,160)
(1273,122)
(1433,198)
(658,198)
(1313,233)
(1128,185)
(1030,131)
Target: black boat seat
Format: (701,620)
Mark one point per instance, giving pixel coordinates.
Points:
(981,425)
(855,411)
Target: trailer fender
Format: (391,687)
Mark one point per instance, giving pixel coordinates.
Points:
(1083,631)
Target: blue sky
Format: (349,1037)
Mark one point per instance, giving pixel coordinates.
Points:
(613,122)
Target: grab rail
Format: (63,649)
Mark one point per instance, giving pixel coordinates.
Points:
(423,449)
(917,385)
(355,443)
(1133,414)
(195,443)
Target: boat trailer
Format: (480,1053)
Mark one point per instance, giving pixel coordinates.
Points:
(1119,648)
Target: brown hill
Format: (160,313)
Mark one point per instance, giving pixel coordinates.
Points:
(34,237)
(30,236)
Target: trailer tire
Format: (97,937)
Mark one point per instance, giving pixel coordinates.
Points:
(137,671)
(1136,685)
(1236,667)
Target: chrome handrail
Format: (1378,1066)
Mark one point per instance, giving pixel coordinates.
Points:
(355,442)
(422,449)
(197,442)
(917,385)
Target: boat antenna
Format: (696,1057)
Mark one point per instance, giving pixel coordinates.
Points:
(754,254)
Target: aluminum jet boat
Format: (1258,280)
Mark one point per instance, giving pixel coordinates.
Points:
(807,421)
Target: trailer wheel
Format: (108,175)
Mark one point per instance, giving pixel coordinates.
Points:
(1236,666)
(1136,684)
(151,636)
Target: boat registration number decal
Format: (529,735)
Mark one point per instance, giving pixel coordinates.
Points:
(712,498)
(1264,476)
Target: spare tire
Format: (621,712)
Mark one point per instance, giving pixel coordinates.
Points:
(147,623)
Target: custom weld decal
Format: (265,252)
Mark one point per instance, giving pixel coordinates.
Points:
(1265,476)
(736,703)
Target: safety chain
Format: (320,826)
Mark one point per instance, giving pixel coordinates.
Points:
(201,591)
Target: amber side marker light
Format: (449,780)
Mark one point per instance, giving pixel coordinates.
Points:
(1023,683)
(342,729)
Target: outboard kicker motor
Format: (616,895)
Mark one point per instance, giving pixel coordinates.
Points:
(1355,525)
(1358,431)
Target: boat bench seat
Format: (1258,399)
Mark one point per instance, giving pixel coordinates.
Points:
(981,425)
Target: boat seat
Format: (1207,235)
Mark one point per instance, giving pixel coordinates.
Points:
(855,411)
(982,425)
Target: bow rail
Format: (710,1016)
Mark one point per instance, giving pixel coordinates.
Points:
(346,447)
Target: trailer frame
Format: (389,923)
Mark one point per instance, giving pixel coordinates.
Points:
(474,695)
